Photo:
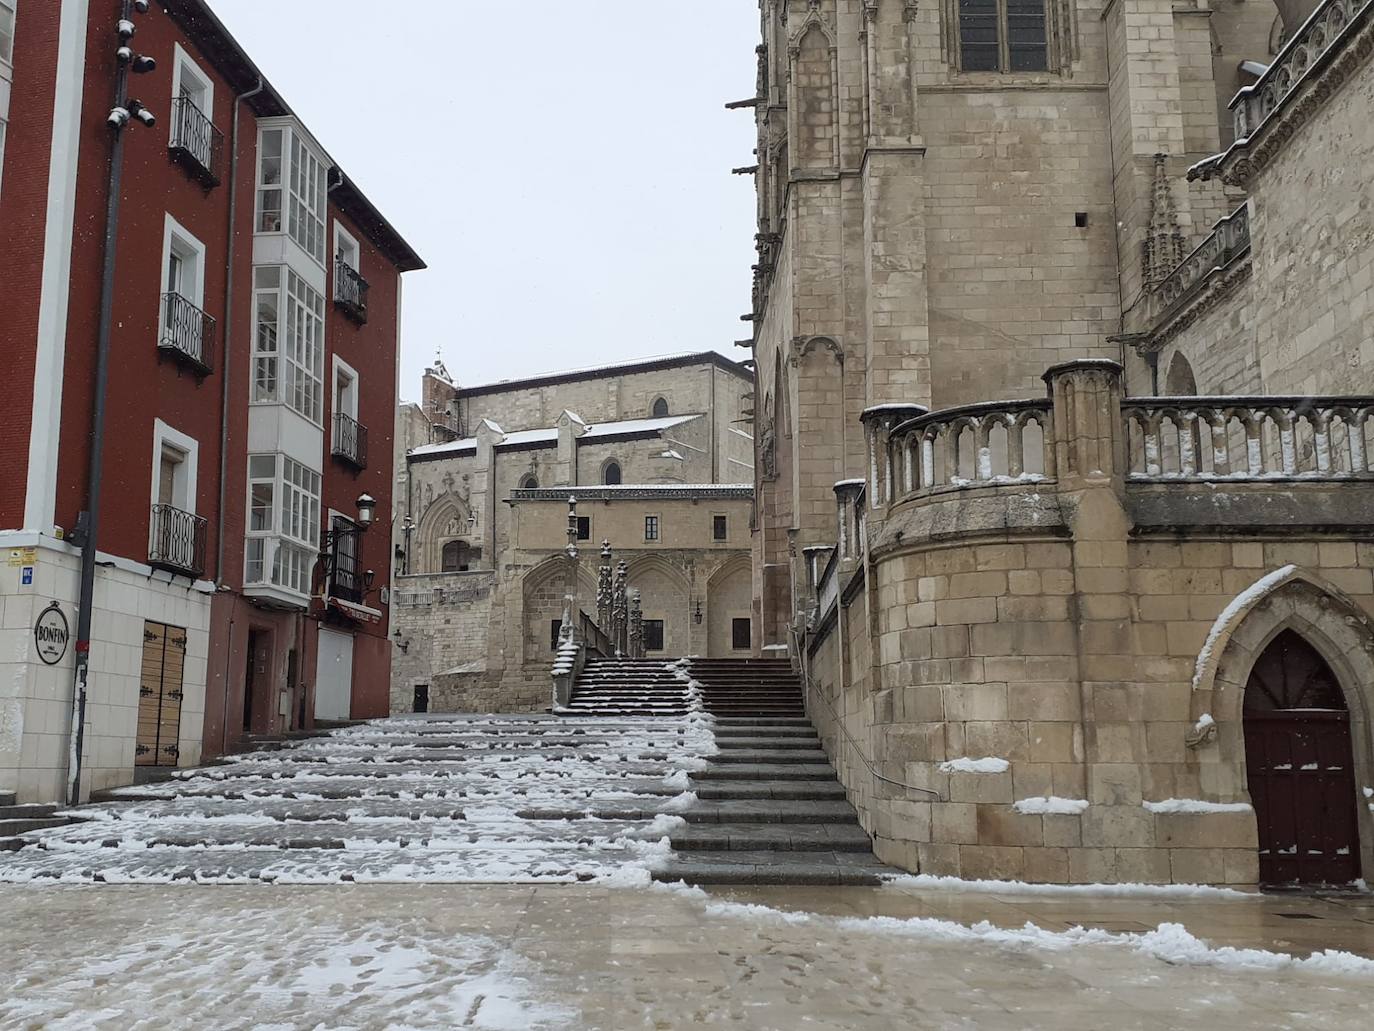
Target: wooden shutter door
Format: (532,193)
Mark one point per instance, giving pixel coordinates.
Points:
(159,695)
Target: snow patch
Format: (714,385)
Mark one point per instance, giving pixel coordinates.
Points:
(1239,604)
(1050,806)
(1170,891)
(988,764)
(1195,805)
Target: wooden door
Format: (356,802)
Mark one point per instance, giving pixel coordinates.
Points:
(1300,767)
(160,694)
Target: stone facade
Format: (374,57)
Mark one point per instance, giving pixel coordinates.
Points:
(1035,618)
(485,480)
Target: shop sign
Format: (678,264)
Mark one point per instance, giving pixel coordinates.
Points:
(51,634)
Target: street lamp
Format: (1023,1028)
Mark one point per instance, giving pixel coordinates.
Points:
(336,535)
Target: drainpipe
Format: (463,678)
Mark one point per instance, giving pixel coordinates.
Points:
(228,339)
(90,522)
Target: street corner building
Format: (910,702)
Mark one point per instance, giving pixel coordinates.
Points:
(655,460)
(1064,341)
(249,403)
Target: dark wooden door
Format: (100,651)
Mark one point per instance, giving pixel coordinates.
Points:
(1300,767)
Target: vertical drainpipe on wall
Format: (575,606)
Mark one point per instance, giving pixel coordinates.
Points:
(224,399)
(95,475)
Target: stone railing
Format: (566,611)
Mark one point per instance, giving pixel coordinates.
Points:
(1316,42)
(1228,240)
(1248,438)
(998,443)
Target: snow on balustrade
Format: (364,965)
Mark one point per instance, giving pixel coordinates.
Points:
(1249,438)
(992,444)
(1229,239)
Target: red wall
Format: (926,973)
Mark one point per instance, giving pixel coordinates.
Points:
(23,210)
(143,383)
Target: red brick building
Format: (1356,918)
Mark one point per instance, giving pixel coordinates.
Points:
(250,401)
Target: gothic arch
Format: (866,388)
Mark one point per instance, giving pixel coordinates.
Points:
(660,408)
(1342,634)
(448,518)
(1180,381)
(542,590)
(612,472)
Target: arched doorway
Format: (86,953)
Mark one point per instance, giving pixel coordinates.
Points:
(1300,766)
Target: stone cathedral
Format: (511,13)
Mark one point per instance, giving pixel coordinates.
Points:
(1063,326)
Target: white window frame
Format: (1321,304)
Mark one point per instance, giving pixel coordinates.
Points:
(278,544)
(176,237)
(342,368)
(343,237)
(261,187)
(168,436)
(183,66)
(263,360)
(300,339)
(307,197)
(7,60)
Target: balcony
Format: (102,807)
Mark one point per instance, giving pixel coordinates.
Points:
(350,291)
(178,541)
(187,333)
(350,440)
(347,581)
(1228,240)
(196,143)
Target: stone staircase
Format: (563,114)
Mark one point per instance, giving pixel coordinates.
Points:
(768,807)
(17,820)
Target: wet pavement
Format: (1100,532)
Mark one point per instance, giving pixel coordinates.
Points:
(580,956)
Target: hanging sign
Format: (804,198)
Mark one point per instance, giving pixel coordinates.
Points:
(51,634)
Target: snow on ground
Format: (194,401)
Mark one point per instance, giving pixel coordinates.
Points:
(1169,942)
(475,799)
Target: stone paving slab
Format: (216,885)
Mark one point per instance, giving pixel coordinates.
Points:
(591,959)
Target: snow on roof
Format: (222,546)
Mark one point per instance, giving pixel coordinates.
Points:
(742,433)
(549,434)
(704,356)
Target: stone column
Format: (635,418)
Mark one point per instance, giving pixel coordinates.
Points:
(572,608)
(619,613)
(885,475)
(1090,465)
(636,633)
(604,589)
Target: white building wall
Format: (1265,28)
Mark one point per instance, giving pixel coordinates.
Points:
(36,699)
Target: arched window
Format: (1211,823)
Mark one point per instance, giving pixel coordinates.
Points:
(610,473)
(660,409)
(529,482)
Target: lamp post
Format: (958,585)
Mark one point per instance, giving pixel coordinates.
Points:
(407,528)
(125,112)
(336,536)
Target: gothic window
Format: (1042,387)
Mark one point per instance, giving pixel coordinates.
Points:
(529,482)
(610,474)
(660,409)
(1003,36)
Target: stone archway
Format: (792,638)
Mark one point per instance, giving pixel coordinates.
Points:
(729,596)
(1339,631)
(542,593)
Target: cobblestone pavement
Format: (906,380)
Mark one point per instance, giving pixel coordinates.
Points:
(589,957)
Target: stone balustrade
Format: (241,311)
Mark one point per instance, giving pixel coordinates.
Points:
(1228,240)
(1316,42)
(993,444)
(1248,438)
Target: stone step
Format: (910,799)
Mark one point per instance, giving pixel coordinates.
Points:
(809,771)
(8,797)
(11,828)
(769,743)
(738,867)
(766,789)
(770,810)
(27,812)
(758,756)
(759,837)
(763,721)
(764,731)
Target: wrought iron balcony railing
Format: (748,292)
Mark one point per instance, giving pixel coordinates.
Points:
(350,291)
(195,141)
(347,581)
(178,540)
(350,440)
(187,332)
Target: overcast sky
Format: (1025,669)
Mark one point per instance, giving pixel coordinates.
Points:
(563,168)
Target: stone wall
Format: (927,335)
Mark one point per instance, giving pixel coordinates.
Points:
(439,617)
(1076,630)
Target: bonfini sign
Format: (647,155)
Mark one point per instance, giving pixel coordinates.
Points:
(51,634)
